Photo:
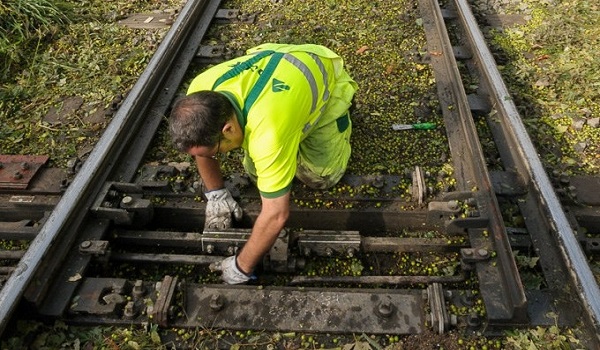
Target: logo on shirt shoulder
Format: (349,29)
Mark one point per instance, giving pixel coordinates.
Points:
(278,85)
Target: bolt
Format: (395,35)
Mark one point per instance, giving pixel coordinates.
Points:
(128,311)
(1,165)
(473,319)
(85,244)
(216,302)
(453,319)
(178,185)
(453,205)
(472,213)
(231,250)
(329,251)
(127,200)
(138,289)
(24,166)
(17,175)
(482,252)
(71,163)
(117,289)
(64,183)
(385,308)
(171,311)
(467,299)
(350,252)
(468,252)
(210,249)
(306,251)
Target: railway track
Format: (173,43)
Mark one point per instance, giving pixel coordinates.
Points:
(115,209)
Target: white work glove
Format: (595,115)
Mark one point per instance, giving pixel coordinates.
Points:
(219,208)
(231,274)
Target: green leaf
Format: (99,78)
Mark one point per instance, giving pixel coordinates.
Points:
(561,128)
(372,342)
(155,337)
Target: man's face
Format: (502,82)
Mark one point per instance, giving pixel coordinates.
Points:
(205,151)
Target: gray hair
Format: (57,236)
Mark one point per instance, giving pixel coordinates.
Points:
(197,119)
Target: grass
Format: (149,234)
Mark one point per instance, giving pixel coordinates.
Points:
(27,25)
(551,65)
(90,57)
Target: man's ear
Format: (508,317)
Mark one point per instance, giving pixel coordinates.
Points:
(228,128)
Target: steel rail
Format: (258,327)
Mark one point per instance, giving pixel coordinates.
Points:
(503,291)
(523,153)
(72,209)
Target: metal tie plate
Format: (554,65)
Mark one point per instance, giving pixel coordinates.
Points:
(291,309)
(16,171)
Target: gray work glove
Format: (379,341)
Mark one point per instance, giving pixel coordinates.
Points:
(231,274)
(219,208)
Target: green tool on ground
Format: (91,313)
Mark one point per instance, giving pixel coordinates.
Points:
(417,126)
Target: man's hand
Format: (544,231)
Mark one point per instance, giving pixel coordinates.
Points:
(219,209)
(231,274)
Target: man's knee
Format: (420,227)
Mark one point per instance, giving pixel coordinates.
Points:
(315,181)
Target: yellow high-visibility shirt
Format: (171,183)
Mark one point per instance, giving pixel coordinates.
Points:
(279,92)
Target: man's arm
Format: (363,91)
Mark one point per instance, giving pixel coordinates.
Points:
(269,223)
(210,172)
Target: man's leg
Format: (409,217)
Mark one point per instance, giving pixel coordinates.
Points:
(324,154)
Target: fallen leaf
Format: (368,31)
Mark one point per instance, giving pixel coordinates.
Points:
(362,49)
(561,128)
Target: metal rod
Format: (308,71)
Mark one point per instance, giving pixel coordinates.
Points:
(390,280)
(166,258)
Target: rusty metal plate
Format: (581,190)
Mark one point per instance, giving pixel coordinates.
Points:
(16,171)
(305,310)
